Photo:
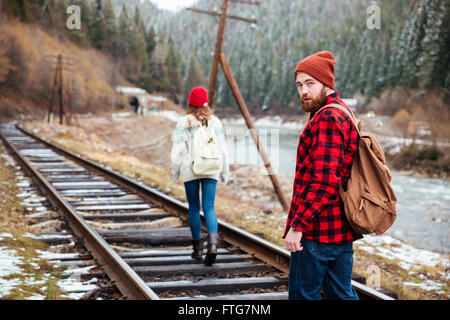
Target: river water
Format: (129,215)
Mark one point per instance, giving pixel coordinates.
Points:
(423,204)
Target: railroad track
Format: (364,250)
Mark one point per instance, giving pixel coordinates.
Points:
(141,237)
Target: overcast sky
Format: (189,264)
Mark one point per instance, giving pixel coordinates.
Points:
(173,5)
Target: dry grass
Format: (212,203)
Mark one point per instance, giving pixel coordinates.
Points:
(27,74)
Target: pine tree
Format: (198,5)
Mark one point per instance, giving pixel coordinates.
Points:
(173,75)
(124,34)
(150,40)
(137,16)
(158,67)
(110,19)
(47,15)
(97,29)
(439,72)
(18,8)
(195,76)
(140,48)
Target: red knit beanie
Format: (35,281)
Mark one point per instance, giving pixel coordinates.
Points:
(320,66)
(198,97)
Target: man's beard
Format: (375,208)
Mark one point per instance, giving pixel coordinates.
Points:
(315,103)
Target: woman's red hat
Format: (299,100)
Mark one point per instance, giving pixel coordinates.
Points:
(198,97)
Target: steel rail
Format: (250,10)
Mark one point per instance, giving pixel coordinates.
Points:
(264,250)
(125,278)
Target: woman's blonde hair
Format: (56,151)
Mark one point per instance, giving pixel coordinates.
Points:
(200,113)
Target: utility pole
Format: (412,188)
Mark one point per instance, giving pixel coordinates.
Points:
(217,51)
(61,61)
(219,40)
(246,114)
(220,57)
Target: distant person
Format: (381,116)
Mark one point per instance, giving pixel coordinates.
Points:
(318,234)
(199,154)
(134,102)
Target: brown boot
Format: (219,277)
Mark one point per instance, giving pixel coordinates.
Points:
(197,249)
(210,258)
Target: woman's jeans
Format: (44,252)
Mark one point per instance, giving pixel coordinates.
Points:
(208,196)
(321,265)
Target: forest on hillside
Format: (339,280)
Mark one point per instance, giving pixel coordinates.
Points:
(401,65)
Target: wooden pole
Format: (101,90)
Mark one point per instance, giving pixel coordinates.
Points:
(58,84)
(61,97)
(218,50)
(217,14)
(246,114)
(246,2)
(55,81)
(69,103)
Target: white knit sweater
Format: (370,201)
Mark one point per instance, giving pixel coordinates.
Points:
(182,140)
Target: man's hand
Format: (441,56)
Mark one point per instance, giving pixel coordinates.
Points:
(292,240)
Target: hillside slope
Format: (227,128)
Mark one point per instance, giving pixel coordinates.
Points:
(27,73)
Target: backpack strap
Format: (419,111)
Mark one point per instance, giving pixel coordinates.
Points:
(348,112)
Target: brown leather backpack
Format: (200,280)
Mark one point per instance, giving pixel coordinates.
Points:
(369,200)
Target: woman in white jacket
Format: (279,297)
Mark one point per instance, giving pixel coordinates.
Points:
(181,159)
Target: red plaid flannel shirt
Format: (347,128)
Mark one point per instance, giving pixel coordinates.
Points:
(325,154)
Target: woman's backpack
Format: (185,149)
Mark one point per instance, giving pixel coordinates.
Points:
(369,200)
(206,156)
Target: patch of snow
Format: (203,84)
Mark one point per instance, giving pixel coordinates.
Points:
(278,122)
(368,249)
(444,276)
(83,270)
(55,256)
(8,265)
(8,160)
(170,114)
(121,115)
(233,122)
(34,199)
(24,183)
(40,209)
(405,265)
(394,144)
(5,235)
(268,122)
(8,262)
(36,297)
(23,194)
(72,285)
(428,285)
(46,236)
(408,255)
(74,295)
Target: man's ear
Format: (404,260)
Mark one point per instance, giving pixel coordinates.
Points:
(328,90)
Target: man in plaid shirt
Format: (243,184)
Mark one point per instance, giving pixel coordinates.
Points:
(317,233)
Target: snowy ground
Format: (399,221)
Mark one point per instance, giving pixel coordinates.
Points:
(407,256)
(11,262)
(8,265)
(410,259)
(16,270)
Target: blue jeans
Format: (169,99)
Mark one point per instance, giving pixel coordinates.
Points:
(208,196)
(321,265)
